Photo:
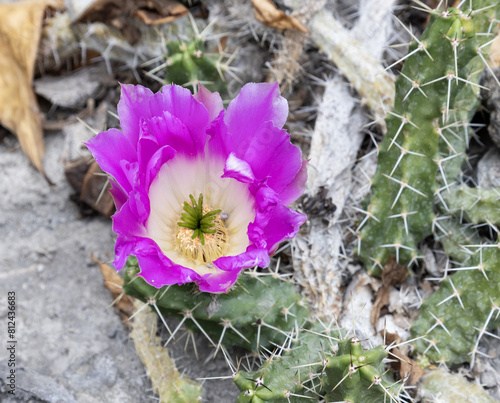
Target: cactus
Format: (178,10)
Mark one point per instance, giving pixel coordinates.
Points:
(454,319)
(475,205)
(297,372)
(435,95)
(357,375)
(258,311)
(187,63)
(414,192)
(291,372)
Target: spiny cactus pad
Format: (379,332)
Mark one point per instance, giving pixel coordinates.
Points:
(456,317)
(292,371)
(257,311)
(316,364)
(433,100)
(359,376)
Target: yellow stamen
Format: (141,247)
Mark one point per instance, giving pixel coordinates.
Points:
(215,244)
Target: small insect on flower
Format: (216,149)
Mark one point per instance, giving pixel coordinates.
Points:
(201,193)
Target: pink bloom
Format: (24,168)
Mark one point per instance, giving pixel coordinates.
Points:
(176,148)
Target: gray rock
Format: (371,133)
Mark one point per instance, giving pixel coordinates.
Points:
(33,386)
(75,89)
(77,134)
(63,315)
(488,169)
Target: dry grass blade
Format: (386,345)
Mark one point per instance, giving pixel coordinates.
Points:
(20,29)
(266,12)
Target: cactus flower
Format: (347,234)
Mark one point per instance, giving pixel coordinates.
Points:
(201,193)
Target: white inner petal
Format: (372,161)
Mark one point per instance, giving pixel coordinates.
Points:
(179,178)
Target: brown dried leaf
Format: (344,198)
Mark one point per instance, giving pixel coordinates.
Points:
(94,191)
(392,274)
(160,12)
(118,12)
(20,30)
(114,283)
(266,12)
(408,369)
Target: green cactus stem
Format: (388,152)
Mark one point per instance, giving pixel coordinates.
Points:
(454,319)
(435,94)
(254,313)
(187,63)
(292,372)
(315,364)
(356,375)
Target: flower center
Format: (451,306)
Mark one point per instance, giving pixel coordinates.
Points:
(201,232)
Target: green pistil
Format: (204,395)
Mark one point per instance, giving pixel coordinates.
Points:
(194,219)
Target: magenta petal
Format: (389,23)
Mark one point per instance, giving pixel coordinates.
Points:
(238,169)
(230,267)
(180,103)
(110,149)
(295,188)
(220,143)
(283,224)
(211,100)
(123,249)
(147,145)
(218,282)
(133,106)
(159,158)
(170,130)
(119,196)
(128,221)
(158,270)
(254,105)
(246,260)
(273,157)
(266,199)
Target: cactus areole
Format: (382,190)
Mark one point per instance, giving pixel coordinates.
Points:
(201,192)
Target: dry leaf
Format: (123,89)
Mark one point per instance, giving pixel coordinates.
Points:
(20,30)
(392,274)
(118,12)
(160,12)
(408,369)
(94,191)
(114,283)
(266,12)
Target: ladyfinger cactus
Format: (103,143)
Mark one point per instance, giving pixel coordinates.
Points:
(359,376)
(187,63)
(292,371)
(455,318)
(256,312)
(430,108)
(315,364)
